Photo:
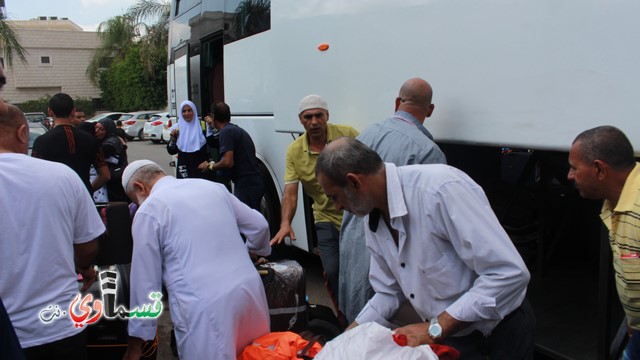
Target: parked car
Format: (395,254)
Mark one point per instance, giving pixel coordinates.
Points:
(111,115)
(133,123)
(156,126)
(38,117)
(35,129)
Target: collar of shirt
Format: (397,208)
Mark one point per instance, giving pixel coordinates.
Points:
(395,200)
(331,135)
(629,192)
(405,116)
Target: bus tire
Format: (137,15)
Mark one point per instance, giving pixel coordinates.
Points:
(270,203)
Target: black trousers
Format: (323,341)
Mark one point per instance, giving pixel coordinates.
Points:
(512,339)
(71,348)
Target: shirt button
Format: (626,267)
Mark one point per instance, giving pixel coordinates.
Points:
(412,296)
(403,265)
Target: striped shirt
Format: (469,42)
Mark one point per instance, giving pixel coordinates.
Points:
(623,223)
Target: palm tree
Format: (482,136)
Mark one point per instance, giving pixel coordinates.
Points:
(153,45)
(150,9)
(10,43)
(118,36)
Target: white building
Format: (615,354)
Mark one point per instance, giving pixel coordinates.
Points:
(59,52)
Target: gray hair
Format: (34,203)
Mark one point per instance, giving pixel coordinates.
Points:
(346,155)
(606,143)
(144,174)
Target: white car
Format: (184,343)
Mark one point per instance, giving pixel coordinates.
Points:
(111,115)
(133,123)
(157,128)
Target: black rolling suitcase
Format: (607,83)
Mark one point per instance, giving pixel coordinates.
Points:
(107,338)
(285,286)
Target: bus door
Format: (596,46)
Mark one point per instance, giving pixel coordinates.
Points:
(211,69)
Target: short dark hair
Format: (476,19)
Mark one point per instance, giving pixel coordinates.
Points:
(347,155)
(61,104)
(606,143)
(222,113)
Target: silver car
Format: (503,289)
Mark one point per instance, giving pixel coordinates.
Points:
(133,123)
(156,127)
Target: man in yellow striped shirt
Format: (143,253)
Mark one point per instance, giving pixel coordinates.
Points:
(603,166)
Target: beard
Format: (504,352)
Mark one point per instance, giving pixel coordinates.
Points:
(358,205)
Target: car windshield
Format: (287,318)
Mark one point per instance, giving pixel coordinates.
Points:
(34,132)
(35,117)
(125,117)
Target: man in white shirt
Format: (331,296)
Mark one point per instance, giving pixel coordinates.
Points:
(186,234)
(435,242)
(50,228)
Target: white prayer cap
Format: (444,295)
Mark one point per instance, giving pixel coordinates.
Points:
(131,169)
(312,102)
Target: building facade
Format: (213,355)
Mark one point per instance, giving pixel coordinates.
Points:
(59,52)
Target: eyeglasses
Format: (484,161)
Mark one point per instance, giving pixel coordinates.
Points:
(318,115)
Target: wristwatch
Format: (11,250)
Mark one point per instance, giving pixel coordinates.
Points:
(435,330)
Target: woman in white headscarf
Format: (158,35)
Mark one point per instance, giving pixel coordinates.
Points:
(188,141)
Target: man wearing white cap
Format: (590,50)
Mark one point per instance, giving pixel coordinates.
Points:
(187,235)
(301,159)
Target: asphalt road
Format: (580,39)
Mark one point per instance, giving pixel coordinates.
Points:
(316,290)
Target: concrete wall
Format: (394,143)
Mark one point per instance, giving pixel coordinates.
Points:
(69,50)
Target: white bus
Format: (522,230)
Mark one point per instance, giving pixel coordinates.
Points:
(523,74)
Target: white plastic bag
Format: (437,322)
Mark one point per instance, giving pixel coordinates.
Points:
(371,341)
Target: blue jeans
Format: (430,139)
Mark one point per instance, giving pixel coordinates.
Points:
(632,351)
(329,246)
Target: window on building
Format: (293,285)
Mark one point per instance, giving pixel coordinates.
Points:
(45,60)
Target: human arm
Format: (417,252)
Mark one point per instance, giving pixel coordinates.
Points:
(146,272)
(289,205)
(103,171)
(172,146)
(418,334)
(83,255)
(225,162)
(253,225)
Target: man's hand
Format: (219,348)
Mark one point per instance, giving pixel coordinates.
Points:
(285,230)
(88,277)
(203,166)
(417,334)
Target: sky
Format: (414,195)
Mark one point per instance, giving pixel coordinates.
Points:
(87,14)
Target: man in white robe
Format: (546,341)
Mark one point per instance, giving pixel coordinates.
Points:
(186,235)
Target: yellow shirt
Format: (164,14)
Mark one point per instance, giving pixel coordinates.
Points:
(623,223)
(301,166)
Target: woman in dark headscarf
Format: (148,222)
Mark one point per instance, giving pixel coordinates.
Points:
(188,142)
(99,195)
(115,155)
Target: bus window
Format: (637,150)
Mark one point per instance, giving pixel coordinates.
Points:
(250,17)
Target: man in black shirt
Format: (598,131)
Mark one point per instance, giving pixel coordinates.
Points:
(238,153)
(66,144)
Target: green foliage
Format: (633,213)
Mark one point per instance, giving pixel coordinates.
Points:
(10,43)
(125,86)
(131,69)
(42,104)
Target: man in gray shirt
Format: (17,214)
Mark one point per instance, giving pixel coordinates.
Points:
(403,140)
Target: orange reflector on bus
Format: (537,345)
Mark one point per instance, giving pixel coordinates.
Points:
(323,47)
